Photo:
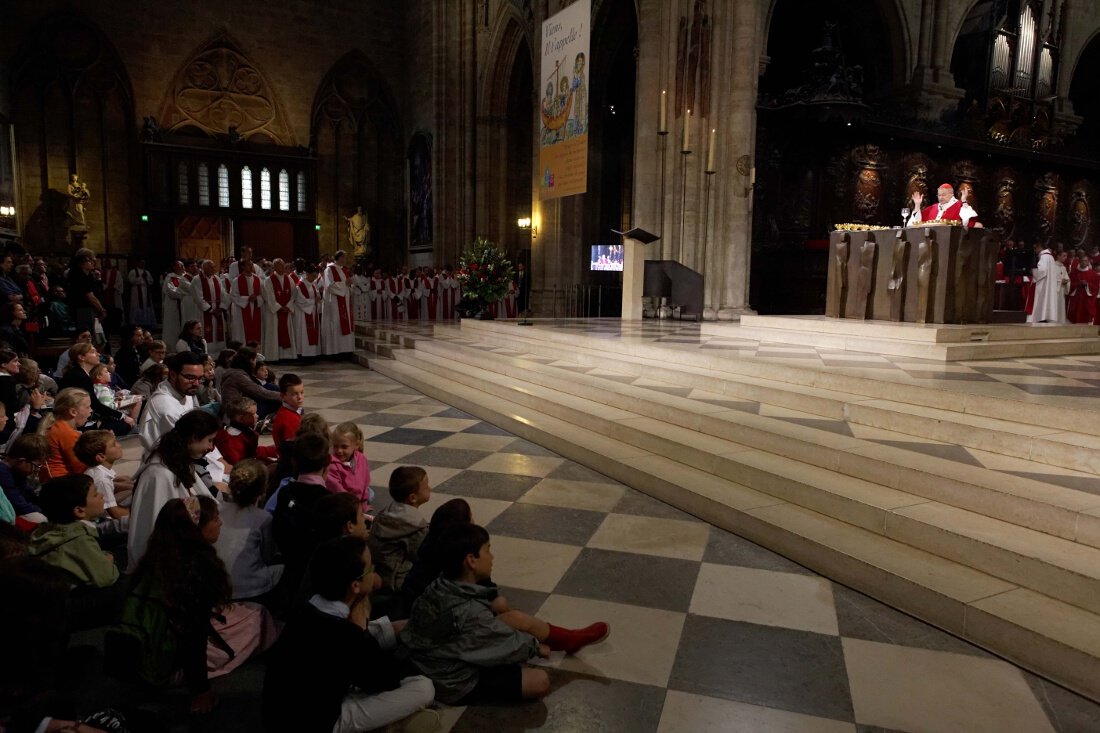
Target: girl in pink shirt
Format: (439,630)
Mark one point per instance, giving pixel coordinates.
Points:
(349,470)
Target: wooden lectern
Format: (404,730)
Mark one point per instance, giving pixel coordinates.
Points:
(634,242)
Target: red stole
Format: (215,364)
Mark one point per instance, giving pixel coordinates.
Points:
(175,280)
(213,325)
(311,318)
(430,283)
(282,297)
(250,312)
(341,274)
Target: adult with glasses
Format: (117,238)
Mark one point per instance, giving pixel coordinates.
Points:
(172,399)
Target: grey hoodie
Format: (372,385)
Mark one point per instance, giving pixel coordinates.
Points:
(395,537)
(452,633)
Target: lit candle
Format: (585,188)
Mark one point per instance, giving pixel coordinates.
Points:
(662,125)
(686,147)
(710,149)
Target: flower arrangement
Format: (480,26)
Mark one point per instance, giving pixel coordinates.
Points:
(858,228)
(483,272)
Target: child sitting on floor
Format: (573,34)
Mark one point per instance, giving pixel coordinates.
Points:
(288,417)
(239,440)
(150,379)
(246,544)
(472,654)
(71,409)
(157,351)
(109,396)
(99,449)
(350,471)
(398,530)
(24,458)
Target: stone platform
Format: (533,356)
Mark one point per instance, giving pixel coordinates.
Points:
(937,341)
(965,494)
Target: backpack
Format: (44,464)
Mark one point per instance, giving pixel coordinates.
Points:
(143,645)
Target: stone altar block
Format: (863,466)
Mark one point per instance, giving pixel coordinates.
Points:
(921,274)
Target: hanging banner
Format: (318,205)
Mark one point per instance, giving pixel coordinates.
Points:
(563,108)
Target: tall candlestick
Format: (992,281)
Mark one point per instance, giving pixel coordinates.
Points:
(686,146)
(662,125)
(710,149)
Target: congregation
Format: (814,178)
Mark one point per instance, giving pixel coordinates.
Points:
(225,545)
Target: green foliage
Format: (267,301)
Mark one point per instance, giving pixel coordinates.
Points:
(483,272)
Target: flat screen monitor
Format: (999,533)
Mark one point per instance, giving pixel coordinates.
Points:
(607,257)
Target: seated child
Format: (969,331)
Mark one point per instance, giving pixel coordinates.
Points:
(209,396)
(109,396)
(239,440)
(284,470)
(398,530)
(289,415)
(350,471)
(246,544)
(69,539)
(293,516)
(428,565)
(263,375)
(472,654)
(71,409)
(99,450)
(332,657)
(157,351)
(150,380)
(24,458)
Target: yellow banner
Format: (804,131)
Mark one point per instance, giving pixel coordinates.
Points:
(563,107)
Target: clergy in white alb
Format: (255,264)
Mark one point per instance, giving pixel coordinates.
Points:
(174,291)
(211,301)
(142,312)
(1050,303)
(338,324)
(307,314)
(278,341)
(247,295)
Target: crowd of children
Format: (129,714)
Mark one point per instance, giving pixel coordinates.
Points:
(222,547)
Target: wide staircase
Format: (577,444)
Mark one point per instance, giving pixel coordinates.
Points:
(773,453)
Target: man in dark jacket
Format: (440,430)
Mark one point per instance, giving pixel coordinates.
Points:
(329,647)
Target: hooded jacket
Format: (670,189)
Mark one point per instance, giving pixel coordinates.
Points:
(73,547)
(452,633)
(395,538)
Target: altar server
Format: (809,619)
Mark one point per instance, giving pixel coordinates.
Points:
(174,291)
(448,294)
(141,306)
(307,314)
(211,301)
(381,299)
(1049,303)
(247,296)
(338,324)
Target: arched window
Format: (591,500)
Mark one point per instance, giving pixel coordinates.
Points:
(184,184)
(223,186)
(204,185)
(284,190)
(246,187)
(301,192)
(265,188)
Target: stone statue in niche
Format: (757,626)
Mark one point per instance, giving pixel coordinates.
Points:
(896,286)
(840,282)
(866,276)
(78,198)
(926,252)
(1080,217)
(358,231)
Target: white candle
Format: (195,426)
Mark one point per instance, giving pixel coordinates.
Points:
(686,147)
(662,126)
(710,149)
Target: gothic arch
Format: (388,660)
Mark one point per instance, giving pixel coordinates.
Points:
(73,108)
(508,36)
(219,88)
(356,134)
(895,23)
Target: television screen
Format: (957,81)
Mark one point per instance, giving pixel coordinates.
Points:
(607,257)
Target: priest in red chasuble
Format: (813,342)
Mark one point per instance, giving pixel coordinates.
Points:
(947,208)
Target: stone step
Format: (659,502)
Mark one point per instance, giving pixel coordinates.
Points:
(1058,567)
(984,422)
(925,332)
(643,356)
(1055,639)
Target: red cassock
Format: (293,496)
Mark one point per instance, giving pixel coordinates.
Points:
(1084,286)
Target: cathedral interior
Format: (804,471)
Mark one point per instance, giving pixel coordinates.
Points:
(199,128)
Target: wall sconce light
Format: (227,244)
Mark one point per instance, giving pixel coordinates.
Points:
(524,222)
(7,211)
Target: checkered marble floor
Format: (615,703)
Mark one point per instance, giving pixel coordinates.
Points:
(710,632)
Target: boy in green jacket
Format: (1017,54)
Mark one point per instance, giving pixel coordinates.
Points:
(69,540)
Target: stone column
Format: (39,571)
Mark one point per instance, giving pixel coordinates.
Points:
(738,40)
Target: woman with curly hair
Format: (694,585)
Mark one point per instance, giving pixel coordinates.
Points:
(180,569)
(170,472)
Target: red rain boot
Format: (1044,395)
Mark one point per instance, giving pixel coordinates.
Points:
(572,641)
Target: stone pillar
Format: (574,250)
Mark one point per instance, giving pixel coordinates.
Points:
(738,58)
